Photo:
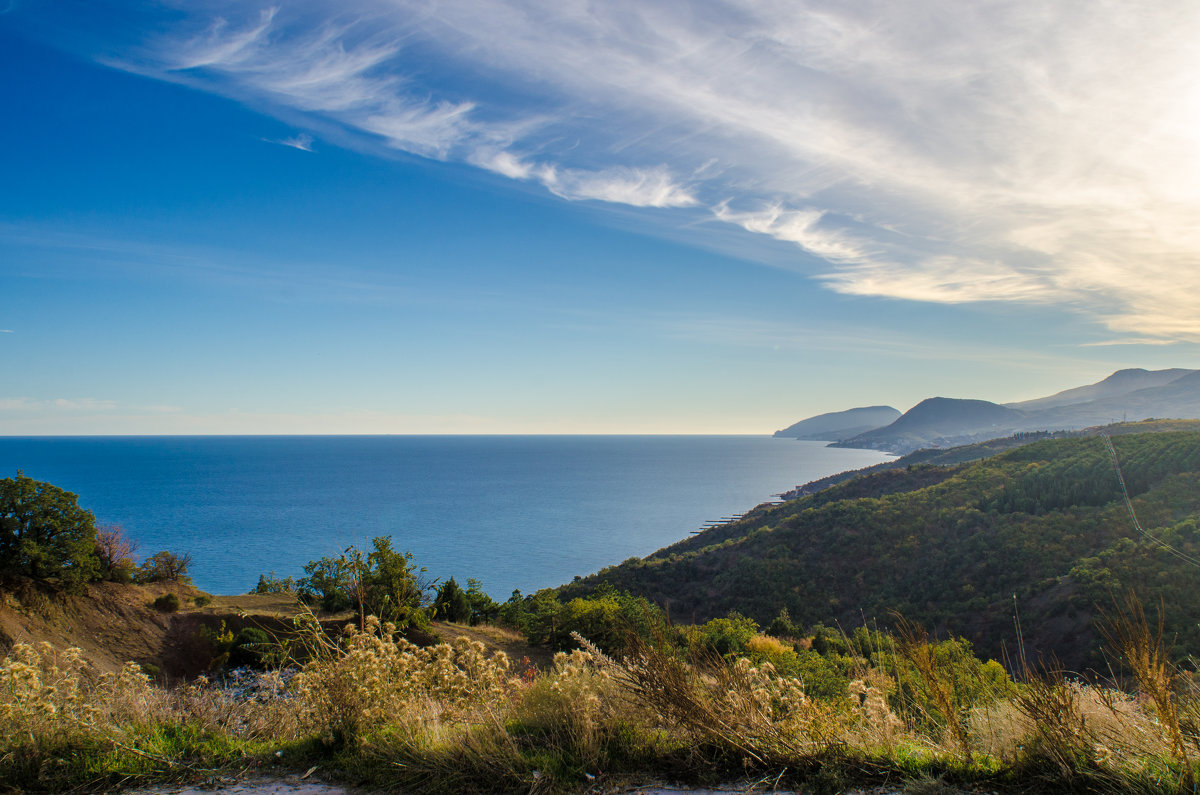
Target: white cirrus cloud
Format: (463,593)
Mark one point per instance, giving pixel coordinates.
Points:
(502,162)
(922,150)
(948,280)
(653,187)
(1158,341)
(301,141)
(802,227)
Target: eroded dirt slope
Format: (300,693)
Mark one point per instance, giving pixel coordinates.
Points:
(115,623)
(112,623)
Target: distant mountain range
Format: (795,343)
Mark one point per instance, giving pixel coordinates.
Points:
(1133,394)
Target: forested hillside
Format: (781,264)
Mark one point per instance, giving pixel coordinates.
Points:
(1040,532)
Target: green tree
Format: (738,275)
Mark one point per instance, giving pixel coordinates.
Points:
(394,589)
(484,609)
(327,584)
(511,614)
(384,583)
(452,603)
(164,567)
(45,534)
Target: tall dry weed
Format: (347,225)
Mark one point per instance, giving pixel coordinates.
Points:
(877,726)
(743,707)
(1147,656)
(914,647)
(1060,735)
(50,697)
(1099,725)
(373,678)
(576,705)
(1142,648)
(271,714)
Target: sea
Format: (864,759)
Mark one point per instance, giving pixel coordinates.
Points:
(515,512)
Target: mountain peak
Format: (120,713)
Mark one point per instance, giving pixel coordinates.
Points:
(837,425)
(1119,383)
(1131,394)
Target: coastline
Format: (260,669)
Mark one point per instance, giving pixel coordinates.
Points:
(517,512)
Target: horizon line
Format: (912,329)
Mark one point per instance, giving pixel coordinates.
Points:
(356,435)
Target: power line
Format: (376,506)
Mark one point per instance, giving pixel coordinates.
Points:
(1129,504)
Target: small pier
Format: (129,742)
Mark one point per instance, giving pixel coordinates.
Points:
(724,520)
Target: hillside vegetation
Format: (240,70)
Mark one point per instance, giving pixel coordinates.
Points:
(1040,533)
(632,696)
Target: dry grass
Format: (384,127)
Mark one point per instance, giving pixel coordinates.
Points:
(749,709)
(1129,634)
(913,645)
(373,678)
(50,697)
(453,717)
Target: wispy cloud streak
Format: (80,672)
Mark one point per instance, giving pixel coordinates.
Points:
(302,141)
(87,404)
(926,151)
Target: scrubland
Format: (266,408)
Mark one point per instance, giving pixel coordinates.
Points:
(368,708)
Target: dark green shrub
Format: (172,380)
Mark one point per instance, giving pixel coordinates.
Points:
(202,601)
(607,617)
(723,636)
(273,583)
(784,627)
(167,603)
(327,584)
(124,574)
(251,647)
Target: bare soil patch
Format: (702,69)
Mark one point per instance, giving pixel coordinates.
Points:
(112,623)
(276,605)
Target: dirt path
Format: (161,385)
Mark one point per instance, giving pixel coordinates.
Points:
(293,785)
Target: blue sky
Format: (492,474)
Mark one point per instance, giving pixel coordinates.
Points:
(570,217)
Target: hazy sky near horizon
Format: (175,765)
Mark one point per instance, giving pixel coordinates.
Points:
(524,216)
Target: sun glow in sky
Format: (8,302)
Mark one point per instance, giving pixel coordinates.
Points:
(457,216)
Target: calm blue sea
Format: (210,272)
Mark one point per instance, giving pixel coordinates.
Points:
(523,512)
